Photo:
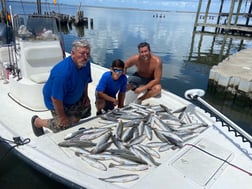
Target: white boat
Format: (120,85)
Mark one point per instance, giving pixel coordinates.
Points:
(215,155)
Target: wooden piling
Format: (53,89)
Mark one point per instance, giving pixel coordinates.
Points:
(228,26)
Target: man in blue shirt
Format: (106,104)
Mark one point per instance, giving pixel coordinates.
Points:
(66,91)
(111,83)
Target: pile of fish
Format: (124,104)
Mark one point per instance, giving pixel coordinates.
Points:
(132,138)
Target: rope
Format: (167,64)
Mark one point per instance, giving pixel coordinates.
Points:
(17,141)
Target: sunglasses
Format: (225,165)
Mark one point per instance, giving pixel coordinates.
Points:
(118,70)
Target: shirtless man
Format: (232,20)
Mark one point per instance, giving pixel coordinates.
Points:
(148,75)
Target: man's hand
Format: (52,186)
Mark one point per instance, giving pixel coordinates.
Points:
(63,121)
(139,89)
(115,102)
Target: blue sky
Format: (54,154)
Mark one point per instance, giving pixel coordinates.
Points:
(165,5)
(126,2)
(119,2)
(141,4)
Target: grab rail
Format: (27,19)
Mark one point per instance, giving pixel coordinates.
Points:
(195,94)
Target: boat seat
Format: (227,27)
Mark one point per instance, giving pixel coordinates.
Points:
(39,78)
(40,60)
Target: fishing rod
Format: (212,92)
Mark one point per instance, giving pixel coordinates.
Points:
(12,49)
(196,94)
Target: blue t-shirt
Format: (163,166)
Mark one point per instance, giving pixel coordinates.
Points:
(66,83)
(110,86)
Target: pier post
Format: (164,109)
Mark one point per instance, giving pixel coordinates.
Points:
(206,15)
(238,12)
(249,12)
(197,15)
(91,23)
(230,15)
(217,29)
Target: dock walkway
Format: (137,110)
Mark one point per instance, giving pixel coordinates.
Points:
(234,73)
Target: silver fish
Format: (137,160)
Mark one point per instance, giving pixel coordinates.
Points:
(93,162)
(128,134)
(144,156)
(148,131)
(129,167)
(161,136)
(80,150)
(137,140)
(103,139)
(94,135)
(150,151)
(156,144)
(124,156)
(101,156)
(76,143)
(159,123)
(165,147)
(175,139)
(121,178)
(141,128)
(119,129)
(117,142)
(73,134)
(108,117)
(101,147)
(191,126)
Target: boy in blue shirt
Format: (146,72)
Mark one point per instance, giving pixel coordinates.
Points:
(111,83)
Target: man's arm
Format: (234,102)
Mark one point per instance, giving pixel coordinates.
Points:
(130,62)
(106,97)
(157,75)
(121,97)
(86,100)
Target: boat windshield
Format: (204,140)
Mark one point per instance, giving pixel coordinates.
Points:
(35,27)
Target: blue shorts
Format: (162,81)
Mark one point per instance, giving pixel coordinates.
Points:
(108,106)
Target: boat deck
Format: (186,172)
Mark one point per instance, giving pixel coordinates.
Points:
(185,167)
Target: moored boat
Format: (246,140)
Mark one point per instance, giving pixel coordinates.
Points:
(178,143)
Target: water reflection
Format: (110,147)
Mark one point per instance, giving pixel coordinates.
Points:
(210,48)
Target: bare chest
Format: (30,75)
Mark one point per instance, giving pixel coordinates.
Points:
(146,70)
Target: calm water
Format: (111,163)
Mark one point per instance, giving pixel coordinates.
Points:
(187,59)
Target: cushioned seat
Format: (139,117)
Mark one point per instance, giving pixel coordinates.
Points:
(39,78)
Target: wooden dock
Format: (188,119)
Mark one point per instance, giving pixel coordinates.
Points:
(233,22)
(234,74)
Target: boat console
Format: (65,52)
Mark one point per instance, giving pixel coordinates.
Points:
(37,48)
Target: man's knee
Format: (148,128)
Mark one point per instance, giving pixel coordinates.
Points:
(99,103)
(157,89)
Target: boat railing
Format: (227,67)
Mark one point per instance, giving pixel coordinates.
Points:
(195,94)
